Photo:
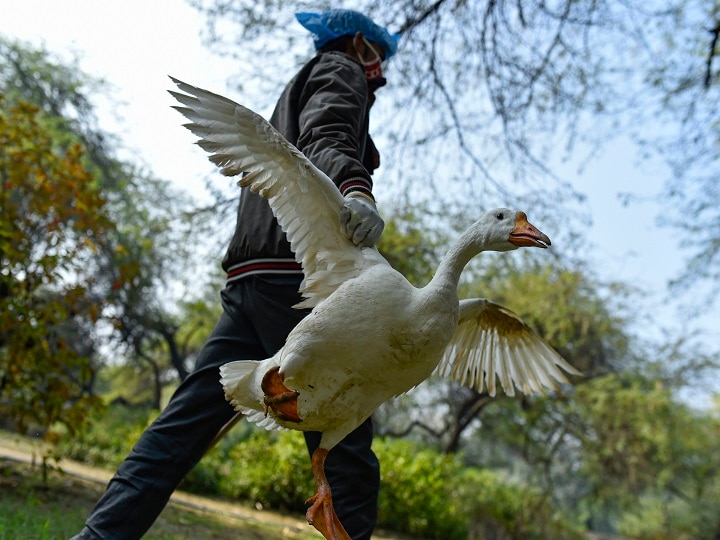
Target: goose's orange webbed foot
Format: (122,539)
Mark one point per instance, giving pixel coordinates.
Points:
(321,513)
(278,397)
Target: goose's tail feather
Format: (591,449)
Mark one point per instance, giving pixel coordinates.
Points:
(239,381)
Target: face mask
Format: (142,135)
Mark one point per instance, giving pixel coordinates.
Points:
(373,68)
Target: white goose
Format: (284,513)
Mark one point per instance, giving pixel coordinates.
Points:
(371,334)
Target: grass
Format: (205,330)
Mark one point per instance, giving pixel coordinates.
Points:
(56,510)
(33,509)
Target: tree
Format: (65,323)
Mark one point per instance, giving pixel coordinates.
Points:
(486,90)
(640,448)
(143,252)
(144,379)
(53,220)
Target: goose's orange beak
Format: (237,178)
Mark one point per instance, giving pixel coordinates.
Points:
(526,234)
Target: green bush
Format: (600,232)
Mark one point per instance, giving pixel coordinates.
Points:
(111,434)
(206,476)
(269,468)
(431,495)
(663,518)
(418,491)
(423,493)
(498,508)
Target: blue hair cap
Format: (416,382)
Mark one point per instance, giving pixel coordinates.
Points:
(333,23)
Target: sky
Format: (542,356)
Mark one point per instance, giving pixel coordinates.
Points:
(136,44)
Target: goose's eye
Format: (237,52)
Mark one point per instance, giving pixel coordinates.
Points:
(500,216)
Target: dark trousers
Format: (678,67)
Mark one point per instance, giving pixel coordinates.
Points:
(257,317)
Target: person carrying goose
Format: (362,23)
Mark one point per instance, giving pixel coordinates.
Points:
(324,112)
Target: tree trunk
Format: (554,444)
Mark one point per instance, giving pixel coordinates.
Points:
(466,413)
(176,359)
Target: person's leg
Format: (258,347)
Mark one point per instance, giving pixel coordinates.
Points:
(352,469)
(178,438)
(262,315)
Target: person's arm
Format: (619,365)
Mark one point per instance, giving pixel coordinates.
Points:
(333,134)
(333,122)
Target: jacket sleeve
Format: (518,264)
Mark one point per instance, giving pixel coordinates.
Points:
(333,122)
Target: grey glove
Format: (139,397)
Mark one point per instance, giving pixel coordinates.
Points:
(360,220)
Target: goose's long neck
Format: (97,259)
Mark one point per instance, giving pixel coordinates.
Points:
(448,273)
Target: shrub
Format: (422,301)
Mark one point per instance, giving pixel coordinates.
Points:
(270,468)
(431,495)
(423,493)
(419,491)
(110,435)
(502,509)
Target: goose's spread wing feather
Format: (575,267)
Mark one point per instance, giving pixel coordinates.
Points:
(304,200)
(492,342)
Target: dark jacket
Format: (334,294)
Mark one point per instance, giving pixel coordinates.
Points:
(324,112)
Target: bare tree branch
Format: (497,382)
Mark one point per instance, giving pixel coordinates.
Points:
(468,411)
(711,54)
(415,21)
(399,434)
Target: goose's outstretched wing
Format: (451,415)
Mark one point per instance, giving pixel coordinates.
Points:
(304,200)
(491,341)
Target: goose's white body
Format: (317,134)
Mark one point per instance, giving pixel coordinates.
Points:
(371,334)
(377,338)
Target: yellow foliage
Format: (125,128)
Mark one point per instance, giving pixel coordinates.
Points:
(51,214)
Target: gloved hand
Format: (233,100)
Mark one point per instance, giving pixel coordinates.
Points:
(360,220)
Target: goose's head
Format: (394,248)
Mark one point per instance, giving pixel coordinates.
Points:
(502,229)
